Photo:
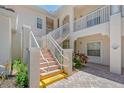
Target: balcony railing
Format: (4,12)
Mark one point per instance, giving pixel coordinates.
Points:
(99,16)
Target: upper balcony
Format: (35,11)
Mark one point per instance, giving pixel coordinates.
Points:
(99,16)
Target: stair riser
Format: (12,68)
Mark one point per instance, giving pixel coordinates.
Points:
(48,56)
(53,68)
(50,68)
(45,54)
(46,64)
(51,74)
(42,71)
(50,59)
(41,60)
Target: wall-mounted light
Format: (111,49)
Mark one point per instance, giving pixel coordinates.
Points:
(115,46)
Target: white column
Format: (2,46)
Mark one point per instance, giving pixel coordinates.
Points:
(115,40)
(71,21)
(34,68)
(44,26)
(68,62)
(26,41)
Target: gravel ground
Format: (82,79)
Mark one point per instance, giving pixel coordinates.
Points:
(8,83)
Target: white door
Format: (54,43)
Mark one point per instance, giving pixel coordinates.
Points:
(93,52)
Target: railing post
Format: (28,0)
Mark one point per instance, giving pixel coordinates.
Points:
(68,62)
(26,41)
(34,68)
(61,59)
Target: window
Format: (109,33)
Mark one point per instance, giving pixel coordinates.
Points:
(93,49)
(39,23)
(66,44)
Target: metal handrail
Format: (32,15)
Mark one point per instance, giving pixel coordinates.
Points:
(59,27)
(56,45)
(35,39)
(55,42)
(59,51)
(39,47)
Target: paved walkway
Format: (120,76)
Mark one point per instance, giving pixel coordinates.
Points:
(91,76)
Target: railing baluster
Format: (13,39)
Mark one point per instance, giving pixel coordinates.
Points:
(97,17)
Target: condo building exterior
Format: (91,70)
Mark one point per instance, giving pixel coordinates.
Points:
(95,30)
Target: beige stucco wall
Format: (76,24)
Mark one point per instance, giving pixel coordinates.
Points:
(16,45)
(97,29)
(65,10)
(82,10)
(122,51)
(122,47)
(5,39)
(82,42)
(27,15)
(122,42)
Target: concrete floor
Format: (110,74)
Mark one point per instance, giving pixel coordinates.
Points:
(91,76)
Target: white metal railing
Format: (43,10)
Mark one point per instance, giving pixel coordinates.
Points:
(56,50)
(34,43)
(52,41)
(60,33)
(94,18)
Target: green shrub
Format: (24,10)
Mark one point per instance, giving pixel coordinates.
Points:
(16,64)
(22,73)
(22,79)
(77,63)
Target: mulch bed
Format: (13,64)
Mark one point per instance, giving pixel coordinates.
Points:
(8,83)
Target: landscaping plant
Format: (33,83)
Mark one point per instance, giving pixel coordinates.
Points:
(79,59)
(77,63)
(22,73)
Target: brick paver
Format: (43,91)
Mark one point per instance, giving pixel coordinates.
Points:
(91,76)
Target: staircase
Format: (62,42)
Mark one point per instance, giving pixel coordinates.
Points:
(51,55)
(51,66)
(50,71)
